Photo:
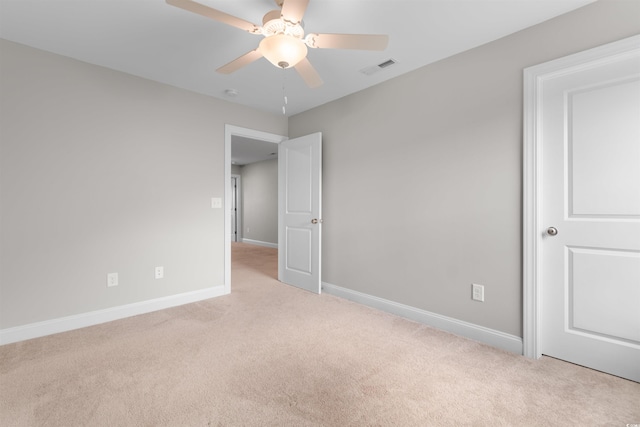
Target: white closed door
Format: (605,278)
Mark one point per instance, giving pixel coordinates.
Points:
(590,214)
(299,211)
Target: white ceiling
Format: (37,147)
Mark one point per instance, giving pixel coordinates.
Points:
(151,39)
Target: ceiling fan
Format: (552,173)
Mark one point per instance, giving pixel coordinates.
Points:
(285,44)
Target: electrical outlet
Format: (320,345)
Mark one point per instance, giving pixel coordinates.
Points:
(477,292)
(159,272)
(112,279)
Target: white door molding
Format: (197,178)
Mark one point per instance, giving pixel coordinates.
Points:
(229,132)
(238,207)
(532,174)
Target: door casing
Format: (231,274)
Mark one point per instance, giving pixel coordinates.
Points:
(238,207)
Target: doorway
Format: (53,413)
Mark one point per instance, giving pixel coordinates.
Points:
(237,132)
(299,201)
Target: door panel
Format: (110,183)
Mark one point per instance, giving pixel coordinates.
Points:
(590,303)
(604,291)
(300,259)
(604,153)
(298,167)
(299,211)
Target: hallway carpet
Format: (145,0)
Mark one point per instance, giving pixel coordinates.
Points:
(271,355)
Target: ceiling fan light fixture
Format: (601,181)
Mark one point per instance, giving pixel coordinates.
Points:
(282,50)
(284,43)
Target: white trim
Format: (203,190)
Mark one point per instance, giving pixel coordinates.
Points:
(479,333)
(229,131)
(69,323)
(530,214)
(239,207)
(259,243)
(534,78)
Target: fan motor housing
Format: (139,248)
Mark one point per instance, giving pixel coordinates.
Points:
(272,24)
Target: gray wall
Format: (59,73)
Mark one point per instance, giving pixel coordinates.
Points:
(422,174)
(260,201)
(103,172)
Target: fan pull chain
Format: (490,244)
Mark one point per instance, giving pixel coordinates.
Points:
(284,93)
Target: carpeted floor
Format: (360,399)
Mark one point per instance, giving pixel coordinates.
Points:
(273,355)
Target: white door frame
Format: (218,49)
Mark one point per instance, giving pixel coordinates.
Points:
(238,207)
(532,176)
(229,131)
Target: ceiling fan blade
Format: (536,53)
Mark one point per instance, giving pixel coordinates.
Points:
(349,41)
(214,14)
(293,10)
(308,73)
(240,62)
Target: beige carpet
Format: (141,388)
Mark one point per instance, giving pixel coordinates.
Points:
(272,355)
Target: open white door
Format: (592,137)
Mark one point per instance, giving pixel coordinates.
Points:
(299,211)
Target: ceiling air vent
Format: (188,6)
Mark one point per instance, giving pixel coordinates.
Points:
(375,68)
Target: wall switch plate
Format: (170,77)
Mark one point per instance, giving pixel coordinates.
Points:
(159,272)
(112,279)
(477,292)
(216,203)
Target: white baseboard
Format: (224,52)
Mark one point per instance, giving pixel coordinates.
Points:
(259,243)
(69,323)
(478,333)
